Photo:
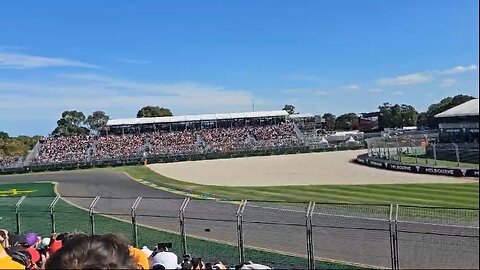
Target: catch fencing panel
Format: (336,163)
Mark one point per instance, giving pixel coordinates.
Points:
(7,212)
(160,215)
(220,225)
(279,226)
(117,209)
(69,218)
(353,233)
(469,157)
(437,237)
(35,215)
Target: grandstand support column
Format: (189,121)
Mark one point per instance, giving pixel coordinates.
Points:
(434,154)
(17,214)
(134,221)
(181,217)
(309,231)
(240,235)
(52,213)
(91,213)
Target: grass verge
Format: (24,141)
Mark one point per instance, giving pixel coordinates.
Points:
(443,163)
(35,216)
(462,195)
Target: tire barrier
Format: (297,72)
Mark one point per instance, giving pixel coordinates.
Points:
(386,164)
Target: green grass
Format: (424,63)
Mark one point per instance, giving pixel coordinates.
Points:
(444,163)
(443,195)
(35,216)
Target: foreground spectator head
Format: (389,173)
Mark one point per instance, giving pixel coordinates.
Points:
(92,252)
(4,239)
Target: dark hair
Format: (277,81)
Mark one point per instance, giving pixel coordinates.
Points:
(93,252)
(196,263)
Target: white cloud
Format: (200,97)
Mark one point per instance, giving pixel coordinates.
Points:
(409,79)
(448,82)
(459,69)
(375,90)
(89,92)
(397,93)
(351,87)
(16,60)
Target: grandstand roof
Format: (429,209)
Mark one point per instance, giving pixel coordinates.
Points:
(469,108)
(192,118)
(302,115)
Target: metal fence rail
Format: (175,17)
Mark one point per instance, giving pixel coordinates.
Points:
(307,234)
(421,151)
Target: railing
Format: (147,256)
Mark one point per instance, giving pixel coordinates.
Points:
(416,151)
(290,235)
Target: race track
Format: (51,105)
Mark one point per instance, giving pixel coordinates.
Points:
(369,245)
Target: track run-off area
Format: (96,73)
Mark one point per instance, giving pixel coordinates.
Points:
(362,239)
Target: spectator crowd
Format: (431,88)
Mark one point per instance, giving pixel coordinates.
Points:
(54,150)
(81,251)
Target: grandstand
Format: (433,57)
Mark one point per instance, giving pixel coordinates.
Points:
(134,140)
(459,124)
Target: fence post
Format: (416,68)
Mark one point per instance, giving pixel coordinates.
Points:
(392,259)
(309,231)
(181,216)
(134,221)
(416,154)
(395,240)
(239,214)
(52,213)
(17,213)
(92,214)
(457,154)
(435,154)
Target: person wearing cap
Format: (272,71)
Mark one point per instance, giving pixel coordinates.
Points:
(163,257)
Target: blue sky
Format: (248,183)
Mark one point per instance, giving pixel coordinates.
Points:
(216,56)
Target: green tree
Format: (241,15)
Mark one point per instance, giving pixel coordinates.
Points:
(397,116)
(153,111)
(443,105)
(346,121)
(289,108)
(71,124)
(409,115)
(422,119)
(4,135)
(97,121)
(329,121)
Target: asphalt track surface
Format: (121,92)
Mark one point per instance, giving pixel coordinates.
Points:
(338,237)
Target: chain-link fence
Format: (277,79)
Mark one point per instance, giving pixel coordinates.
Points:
(282,235)
(423,151)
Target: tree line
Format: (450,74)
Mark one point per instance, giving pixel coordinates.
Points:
(392,115)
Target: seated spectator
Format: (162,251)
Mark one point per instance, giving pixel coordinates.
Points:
(161,256)
(92,252)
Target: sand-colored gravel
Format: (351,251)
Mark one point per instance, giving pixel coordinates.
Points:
(332,168)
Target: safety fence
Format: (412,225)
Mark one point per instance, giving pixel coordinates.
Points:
(285,235)
(415,151)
